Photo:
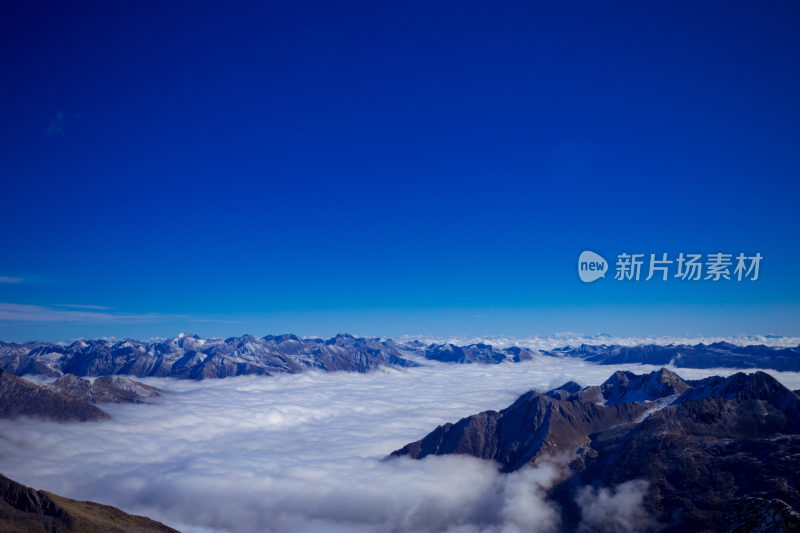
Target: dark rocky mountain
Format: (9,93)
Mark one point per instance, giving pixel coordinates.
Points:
(719,454)
(536,426)
(717,355)
(25,510)
(19,397)
(190,357)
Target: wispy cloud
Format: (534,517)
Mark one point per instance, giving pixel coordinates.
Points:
(11,279)
(614,509)
(81,306)
(11,312)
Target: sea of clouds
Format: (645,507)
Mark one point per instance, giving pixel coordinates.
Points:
(305,453)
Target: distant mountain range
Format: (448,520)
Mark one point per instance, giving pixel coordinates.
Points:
(716,355)
(718,454)
(23,510)
(191,357)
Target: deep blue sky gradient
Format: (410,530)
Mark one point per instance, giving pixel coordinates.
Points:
(391,169)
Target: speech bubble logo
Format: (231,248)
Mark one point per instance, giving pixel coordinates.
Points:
(591,266)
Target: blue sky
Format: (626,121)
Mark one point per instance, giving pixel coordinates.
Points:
(393,169)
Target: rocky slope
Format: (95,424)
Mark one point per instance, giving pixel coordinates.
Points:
(19,397)
(105,389)
(25,510)
(69,398)
(717,454)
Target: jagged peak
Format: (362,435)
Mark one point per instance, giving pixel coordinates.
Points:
(281,338)
(481,345)
(624,387)
(569,386)
(620,376)
(723,344)
(755,385)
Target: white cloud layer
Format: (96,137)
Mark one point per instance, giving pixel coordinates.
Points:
(303,453)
